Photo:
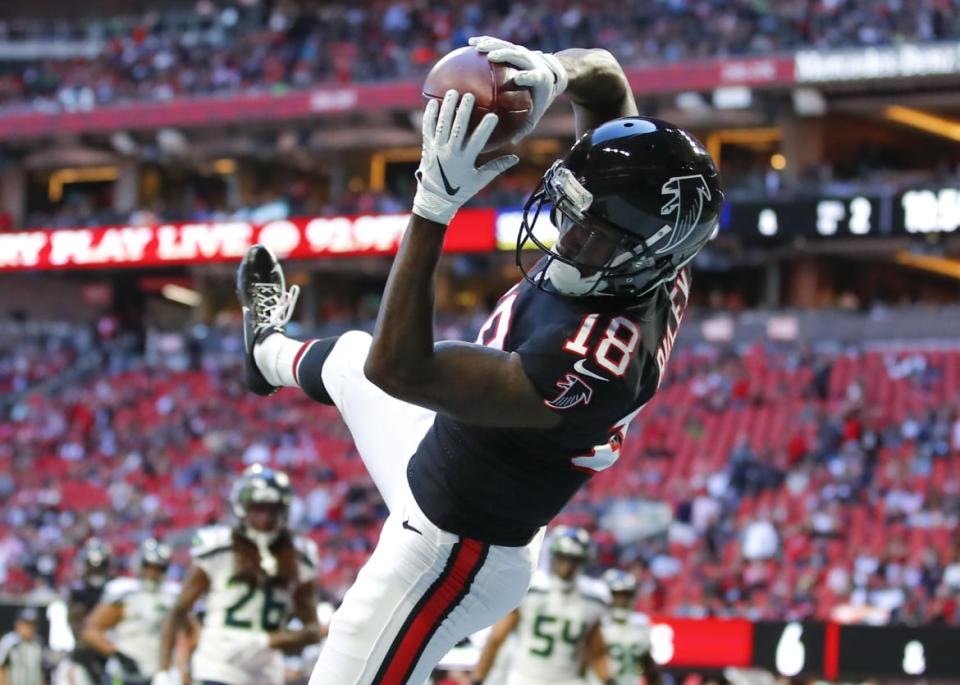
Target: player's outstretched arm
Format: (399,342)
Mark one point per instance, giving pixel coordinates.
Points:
(76,614)
(597,87)
(471,383)
(498,635)
(103,617)
(595,648)
(194,587)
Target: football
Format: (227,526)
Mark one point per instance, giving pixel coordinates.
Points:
(467,70)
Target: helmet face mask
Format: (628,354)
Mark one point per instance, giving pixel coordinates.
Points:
(623,592)
(594,247)
(152,561)
(260,501)
(95,561)
(641,197)
(570,549)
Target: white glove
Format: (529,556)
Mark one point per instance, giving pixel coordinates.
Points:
(540,71)
(448,176)
(168,677)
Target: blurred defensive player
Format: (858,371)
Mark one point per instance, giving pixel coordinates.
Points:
(558,622)
(476,447)
(125,625)
(85,665)
(253,577)
(627,632)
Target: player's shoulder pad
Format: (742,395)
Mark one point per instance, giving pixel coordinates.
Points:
(593,589)
(7,643)
(540,582)
(9,640)
(307,552)
(118,589)
(211,541)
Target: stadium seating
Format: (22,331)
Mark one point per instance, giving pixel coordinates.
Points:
(851,455)
(256,47)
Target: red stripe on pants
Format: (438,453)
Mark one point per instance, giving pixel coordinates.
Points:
(432,612)
(296,360)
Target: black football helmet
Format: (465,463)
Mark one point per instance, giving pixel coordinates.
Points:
(647,197)
(95,561)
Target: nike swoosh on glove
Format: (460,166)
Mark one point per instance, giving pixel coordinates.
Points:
(448,176)
(541,72)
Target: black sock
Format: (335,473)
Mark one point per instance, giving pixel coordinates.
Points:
(307,369)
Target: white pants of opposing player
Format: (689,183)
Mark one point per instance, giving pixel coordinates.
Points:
(423,589)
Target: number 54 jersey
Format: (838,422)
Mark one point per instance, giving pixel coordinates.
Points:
(234,639)
(555,618)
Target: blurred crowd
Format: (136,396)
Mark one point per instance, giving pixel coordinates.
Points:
(768,482)
(223,47)
(84,208)
(801,483)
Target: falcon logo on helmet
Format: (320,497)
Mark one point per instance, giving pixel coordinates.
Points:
(687,197)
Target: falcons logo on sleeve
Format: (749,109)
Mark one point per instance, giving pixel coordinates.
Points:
(573,391)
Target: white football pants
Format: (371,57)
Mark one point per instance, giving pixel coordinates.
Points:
(423,589)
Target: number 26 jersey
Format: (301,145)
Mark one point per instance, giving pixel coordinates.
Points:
(238,617)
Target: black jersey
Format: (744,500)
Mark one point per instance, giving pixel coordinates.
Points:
(596,362)
(87,595)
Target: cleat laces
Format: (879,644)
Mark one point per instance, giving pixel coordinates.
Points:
(272,305)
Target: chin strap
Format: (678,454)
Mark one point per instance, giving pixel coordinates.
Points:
(568,281)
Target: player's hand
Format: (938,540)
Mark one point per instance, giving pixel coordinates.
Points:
(541,72)
(448,175)
(168,677)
